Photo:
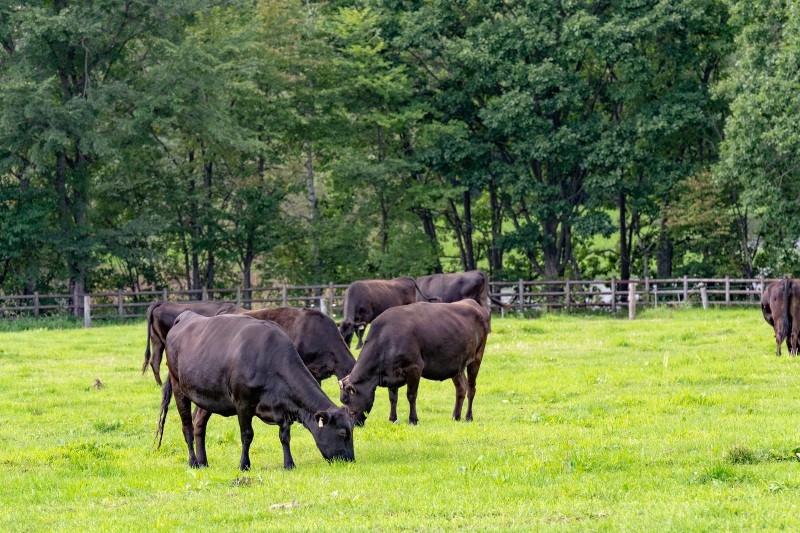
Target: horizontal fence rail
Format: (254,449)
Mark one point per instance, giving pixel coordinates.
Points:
(517,296)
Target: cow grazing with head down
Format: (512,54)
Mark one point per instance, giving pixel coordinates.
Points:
(473,285)
(780,305)
(238,365)
(365,300)
(314,335)
(435,341)
(160,317)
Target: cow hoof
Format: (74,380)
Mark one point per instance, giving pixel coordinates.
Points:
(413,422)
(290,466)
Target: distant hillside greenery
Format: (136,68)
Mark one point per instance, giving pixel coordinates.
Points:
(163,143)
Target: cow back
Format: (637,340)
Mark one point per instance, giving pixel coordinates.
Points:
(214,358)
(443,335)
(365,300)
(449,288)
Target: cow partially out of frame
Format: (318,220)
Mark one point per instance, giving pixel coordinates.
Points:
(780,305)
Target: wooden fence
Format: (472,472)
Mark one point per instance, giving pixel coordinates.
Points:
(519,296)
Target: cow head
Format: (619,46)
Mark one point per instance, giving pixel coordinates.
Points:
(333,433)
(358,398)
(348,327)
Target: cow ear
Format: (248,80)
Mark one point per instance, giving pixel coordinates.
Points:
(322,418)
(361,325)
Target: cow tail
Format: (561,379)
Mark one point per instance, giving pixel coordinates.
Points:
(166,396)
(424,296)
(787,289)
(149,332)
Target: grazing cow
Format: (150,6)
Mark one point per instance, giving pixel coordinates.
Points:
(473,285)
(237,365)
(780,305)
(435,341)
(160,317)
(365,300)
(314,335)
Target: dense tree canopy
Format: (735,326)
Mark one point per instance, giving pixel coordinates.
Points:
(155,143)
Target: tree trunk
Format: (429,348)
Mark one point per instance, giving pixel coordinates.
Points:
(495,249)
(208,174)
(196,283)
(247,266)
(624,252)
(384,226)
(314,205)
(665,252)
(468,230)
(455,222)
(552,249)
(425,215)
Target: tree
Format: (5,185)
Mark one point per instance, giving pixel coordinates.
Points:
(759,155)
(68,68)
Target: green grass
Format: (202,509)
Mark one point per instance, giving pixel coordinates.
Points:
(680,420)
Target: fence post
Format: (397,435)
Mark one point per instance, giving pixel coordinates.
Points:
(631,300)
(330,298)
(284,296)
(646,291)
(521,296)
(655,296)
(613,295)
(727,290)
(685,289)
(164,295)
(761,286)
(120,307)
(36,304)
(704,295)
(239,296)
(567,296)
(204,294)
(87,311)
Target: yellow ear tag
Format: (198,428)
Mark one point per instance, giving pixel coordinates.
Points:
(320,422)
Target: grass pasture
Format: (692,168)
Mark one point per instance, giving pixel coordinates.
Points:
(680,420)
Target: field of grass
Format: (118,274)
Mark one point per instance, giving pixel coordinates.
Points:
(680,420)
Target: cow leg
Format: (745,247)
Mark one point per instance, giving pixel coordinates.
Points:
(461,391)
(360,335)
(778,338)
(155,359)
(392,404)
(412,382)
(200,421)
(284,436)
(184,406)
(472,376)
(246,430)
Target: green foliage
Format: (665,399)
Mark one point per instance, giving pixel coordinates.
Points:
(166,142)
(759,153)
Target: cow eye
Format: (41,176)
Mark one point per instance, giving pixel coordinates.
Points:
(343,433)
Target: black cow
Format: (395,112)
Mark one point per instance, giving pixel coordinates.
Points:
(314,335)
(365,300)
(473,285)
(780,305)
(421,340)
(238,365)
(160,317)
